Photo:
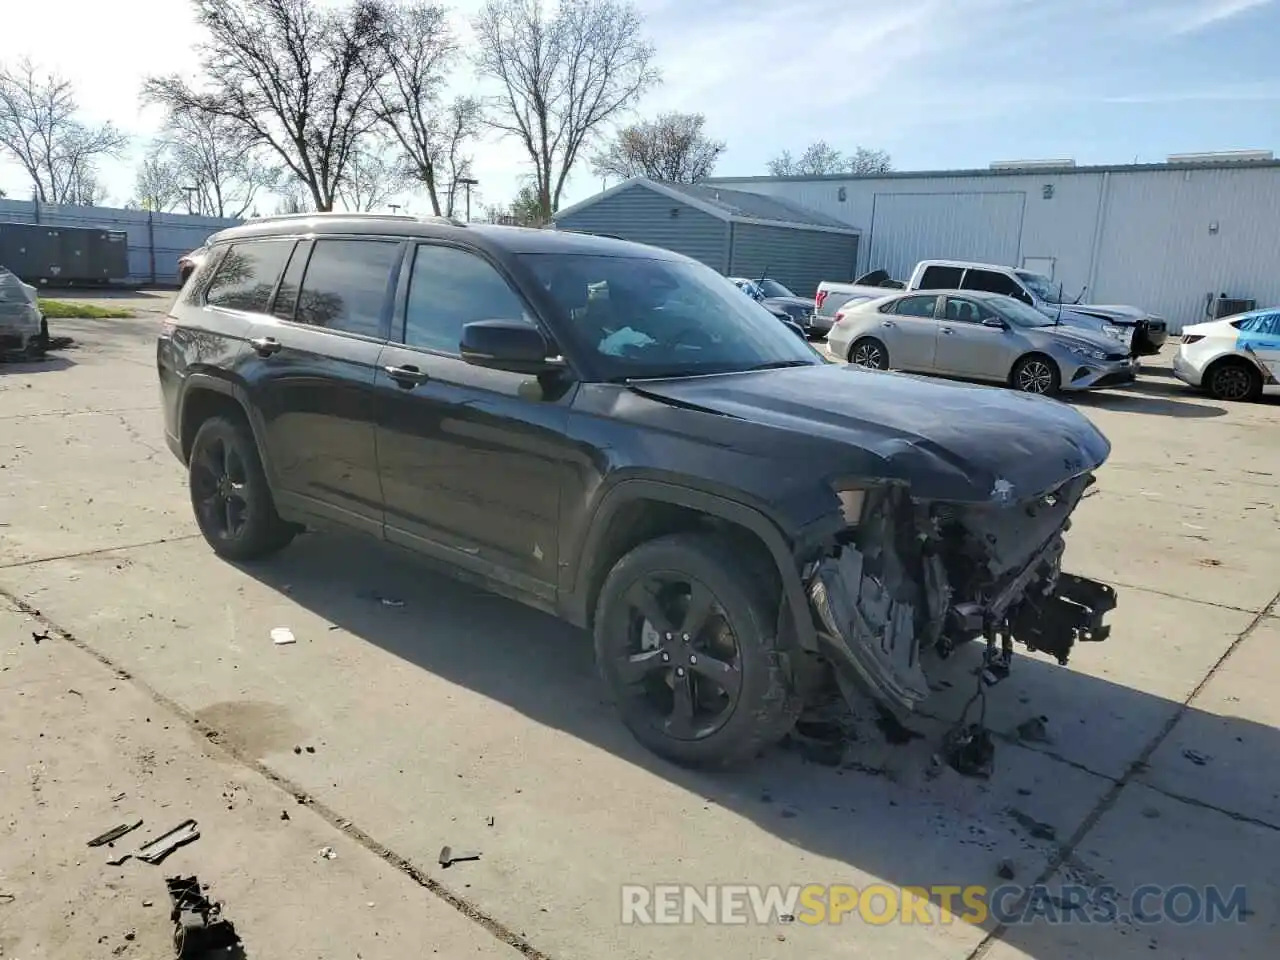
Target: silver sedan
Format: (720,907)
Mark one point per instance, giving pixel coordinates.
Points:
(977,336)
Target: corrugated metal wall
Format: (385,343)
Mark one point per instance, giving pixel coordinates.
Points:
(1143,238)
(798,259)
(162,237)
(645,216)
(909,227)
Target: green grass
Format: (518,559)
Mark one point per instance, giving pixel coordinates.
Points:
(63,310)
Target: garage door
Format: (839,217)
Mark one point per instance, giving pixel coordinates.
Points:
(909,227)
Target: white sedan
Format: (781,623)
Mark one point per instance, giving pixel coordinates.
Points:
(1236,358)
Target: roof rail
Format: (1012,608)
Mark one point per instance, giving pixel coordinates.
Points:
(340,215)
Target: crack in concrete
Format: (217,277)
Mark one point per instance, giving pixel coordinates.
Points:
(75,413)
(402,864)
(1139,765)
(1264,612)
(96,551)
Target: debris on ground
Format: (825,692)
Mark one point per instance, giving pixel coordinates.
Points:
(970,751)
(1196,757)
(449,856)
(162,846)
(1034,730)
(818,742)
(120,860)
(282,636)
(119,796)
(328,853)
(488,821)
(115,833)
(311,749)
(894,730)
(7,898)
(198,925)
(1007,870)
(37,637)
(1037,829)
(284,814)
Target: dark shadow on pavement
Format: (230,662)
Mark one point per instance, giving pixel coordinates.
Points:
(888,810)
(1158,398)
(49,364)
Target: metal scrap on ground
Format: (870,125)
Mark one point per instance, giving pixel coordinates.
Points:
(449,856)
(115,833)
(162,846)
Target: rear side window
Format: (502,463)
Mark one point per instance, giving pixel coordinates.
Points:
(992,282)
(917,307)
(287,295)
(450,288)
(247,275)
(940,278)
(348,285)
(1266,324)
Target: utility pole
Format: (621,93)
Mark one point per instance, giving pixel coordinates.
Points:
(468,183)
(190,192)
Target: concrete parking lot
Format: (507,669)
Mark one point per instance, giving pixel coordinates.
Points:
(458,718)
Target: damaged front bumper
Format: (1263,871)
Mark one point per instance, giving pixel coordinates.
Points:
(908,579)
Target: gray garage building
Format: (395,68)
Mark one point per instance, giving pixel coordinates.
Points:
(739,233)
(1167,237)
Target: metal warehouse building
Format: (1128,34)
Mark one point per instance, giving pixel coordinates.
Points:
(739,233)
(1165,237)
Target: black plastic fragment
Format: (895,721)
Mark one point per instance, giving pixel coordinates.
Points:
(198,925)
(970,751)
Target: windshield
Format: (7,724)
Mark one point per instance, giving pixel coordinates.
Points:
(639,318)
(772,288)
(1019,314)
(1041,286)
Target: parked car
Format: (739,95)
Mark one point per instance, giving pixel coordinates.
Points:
(1235,358)
(22,324)
(977,336)
(1141,332)
(782,303)
(611,433)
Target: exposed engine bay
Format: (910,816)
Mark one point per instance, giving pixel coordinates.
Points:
(909,577)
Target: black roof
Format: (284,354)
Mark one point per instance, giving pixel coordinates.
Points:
(487,236)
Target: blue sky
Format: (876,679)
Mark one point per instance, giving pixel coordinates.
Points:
(937,83)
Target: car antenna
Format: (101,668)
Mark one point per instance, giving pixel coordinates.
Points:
(1058,322)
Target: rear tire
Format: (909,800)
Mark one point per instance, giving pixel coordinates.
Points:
(1232,379)
(230,495)
(1036,374)
(723,694)
(870,353)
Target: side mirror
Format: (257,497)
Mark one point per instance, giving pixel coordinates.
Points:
(995,322)
(508,345)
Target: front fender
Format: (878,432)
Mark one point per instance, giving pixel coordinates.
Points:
(628,491)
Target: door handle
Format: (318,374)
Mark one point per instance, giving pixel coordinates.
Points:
(407,376)
(887,323)
(948,331)
(265,346)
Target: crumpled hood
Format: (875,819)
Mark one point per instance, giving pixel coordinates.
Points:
(1119,312)
(1084,337)
(949,441)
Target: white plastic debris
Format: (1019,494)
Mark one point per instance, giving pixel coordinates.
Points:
(328,853)
(281,636)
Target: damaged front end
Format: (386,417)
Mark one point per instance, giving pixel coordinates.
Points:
(906,578)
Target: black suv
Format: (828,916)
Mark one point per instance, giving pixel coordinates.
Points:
(614,433)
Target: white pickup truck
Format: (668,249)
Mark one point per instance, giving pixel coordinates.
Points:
(1142,333)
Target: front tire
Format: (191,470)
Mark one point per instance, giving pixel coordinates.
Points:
(1036,374)
(870,353)
(230,495)
(686,639)
(1233,379)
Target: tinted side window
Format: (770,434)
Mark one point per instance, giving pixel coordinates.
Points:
(287,295)
(965,311)
(247,275)
(917,307)
(940,278)
(992,283)
(449,288)
(348,284)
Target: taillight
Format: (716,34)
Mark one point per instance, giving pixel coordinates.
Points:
(818,300)
(1192,337)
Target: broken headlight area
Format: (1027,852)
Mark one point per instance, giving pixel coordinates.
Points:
(906,578)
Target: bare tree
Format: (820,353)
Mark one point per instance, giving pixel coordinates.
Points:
(213,155)
(292,77)
(563,76)
(158,182)
(821,159)
(525,210)
(671,148)
(41,132)
(293,199)
(373,177)
(418,50)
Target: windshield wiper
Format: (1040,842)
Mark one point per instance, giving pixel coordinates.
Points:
(778,365)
